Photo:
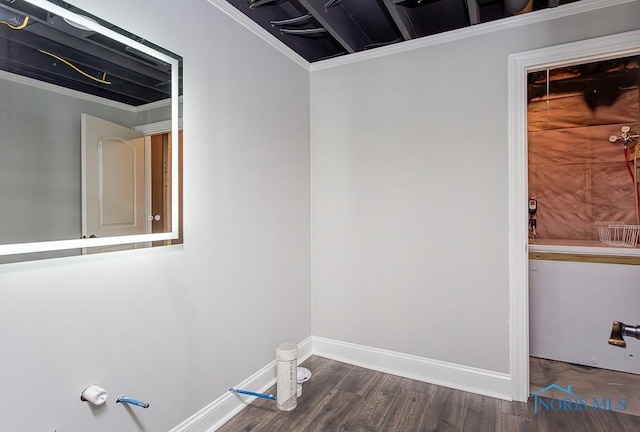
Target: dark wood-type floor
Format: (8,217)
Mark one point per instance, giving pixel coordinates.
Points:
(584,380)
(342,397)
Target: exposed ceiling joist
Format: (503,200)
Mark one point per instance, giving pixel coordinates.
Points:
(321,29)
(96,50)
(400,19)
(82,58)
(474,12)
(48,47)
(338,23)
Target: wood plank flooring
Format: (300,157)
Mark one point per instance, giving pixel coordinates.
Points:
(342,397)
(584,380)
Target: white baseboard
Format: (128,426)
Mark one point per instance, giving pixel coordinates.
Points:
(460,377)
(218,412)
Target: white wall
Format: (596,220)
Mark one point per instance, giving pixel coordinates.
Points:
(572,306)
(177,326)
(409,193)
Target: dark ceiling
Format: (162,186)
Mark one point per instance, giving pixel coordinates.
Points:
(39,45)
(601,83)
(322,29)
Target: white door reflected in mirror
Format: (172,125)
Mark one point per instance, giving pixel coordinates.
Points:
(114,192)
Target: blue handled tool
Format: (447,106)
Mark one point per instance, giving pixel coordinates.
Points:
(250,393)
(130,401)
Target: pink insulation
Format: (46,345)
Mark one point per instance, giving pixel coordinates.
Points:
(575,173)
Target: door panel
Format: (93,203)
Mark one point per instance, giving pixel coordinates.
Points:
(113,171)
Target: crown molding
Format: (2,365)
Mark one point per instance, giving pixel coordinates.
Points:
(263,34)
(575,8)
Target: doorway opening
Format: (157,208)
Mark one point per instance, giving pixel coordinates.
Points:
(579,177)
(160,163)
(520,65)
(129,183)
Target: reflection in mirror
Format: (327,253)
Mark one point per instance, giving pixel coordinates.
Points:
(90,148)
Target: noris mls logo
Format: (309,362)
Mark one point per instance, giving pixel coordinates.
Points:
(574,403)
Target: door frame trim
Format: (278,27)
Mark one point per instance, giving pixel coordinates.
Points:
(603,48)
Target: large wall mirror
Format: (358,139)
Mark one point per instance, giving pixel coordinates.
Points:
(90,135)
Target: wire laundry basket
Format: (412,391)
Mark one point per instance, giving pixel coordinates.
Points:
(618,234)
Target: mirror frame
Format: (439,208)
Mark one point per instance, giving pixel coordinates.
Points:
(55,245)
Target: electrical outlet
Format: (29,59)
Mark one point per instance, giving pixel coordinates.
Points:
(632,355)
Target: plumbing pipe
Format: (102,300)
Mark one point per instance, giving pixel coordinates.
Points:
(310,31)
(131,401)
(287,369)
(296,20)
(619,330)
(635,186)
(256,3)
(516,7)
(627,138)
(628,164)
(633,180)
(250,393)
(94,394)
